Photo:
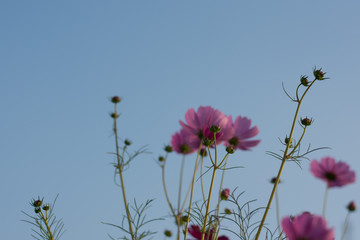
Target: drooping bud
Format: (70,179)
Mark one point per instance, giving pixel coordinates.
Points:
(351,206)
(319,74)
(225,194)
(167,233)
(115,99)
(230,150)
(304,80)
(127,142)
(168,148)
(306,121)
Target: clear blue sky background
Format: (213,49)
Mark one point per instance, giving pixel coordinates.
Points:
(61,61)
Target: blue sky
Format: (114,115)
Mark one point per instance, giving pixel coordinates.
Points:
(61,61)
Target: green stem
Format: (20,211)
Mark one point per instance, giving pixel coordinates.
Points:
(208,203)
(119,166)
(47,226)
(278,212)
(285,157)
(164,186)
(180,181)
(201,178)
(325,200)
(192,191)
(347,219)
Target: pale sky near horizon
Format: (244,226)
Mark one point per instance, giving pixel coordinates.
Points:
(61,61)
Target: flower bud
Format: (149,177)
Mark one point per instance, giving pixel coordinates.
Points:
(230,150)
(304,80)
(318,74)
(225,194)
(273,180)
(168,149)
(215,129)
(351,206)
(306,121)
(161,159)
(115,99)
(203,152)
(37,203)
(114,115)
(227,211)
(37,210)
(167,233)
(208,142)
(46,207)
(183,219)
(127,142)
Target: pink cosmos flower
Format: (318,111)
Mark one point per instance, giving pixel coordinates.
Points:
(242,132)
(195,231)
(180,142)
(198,124)
(306,227)
(335,174)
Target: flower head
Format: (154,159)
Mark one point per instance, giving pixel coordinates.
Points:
(195,231)
(204,124)
(180,142)
(306,227)
(335,174)
(242,132)
(319,74)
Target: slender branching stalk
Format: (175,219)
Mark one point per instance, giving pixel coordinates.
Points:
(325,201)
(285,155)
(120,162)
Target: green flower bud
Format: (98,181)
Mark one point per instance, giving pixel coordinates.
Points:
(352,206)
(168,149)
(318,74)
(115,99)
(127,142)
(114,115)
(230,150)
(304,80)
(306,121)
(167,233)
(46,207)
(37,203)
(161,159)
(208,142)
(215,129)
(227,211)
(37,210)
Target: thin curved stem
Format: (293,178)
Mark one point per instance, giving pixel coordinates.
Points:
(192,191)
(119,167)
(164,186)
(325,200)
(201,178)
(347,219)
(284,158)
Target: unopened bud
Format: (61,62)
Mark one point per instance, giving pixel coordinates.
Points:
(215,129)
(230,150)
(225,194)
(127,142)
(319,74)
(203,152)
(227,211)
(115,99)
(37,203)
(168,149)
(352,206)
(167,233)
(37,210)
(306,121)
(304,80)
(114,115)
(46,207)
(273,180)
(208,142)
(161,159)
